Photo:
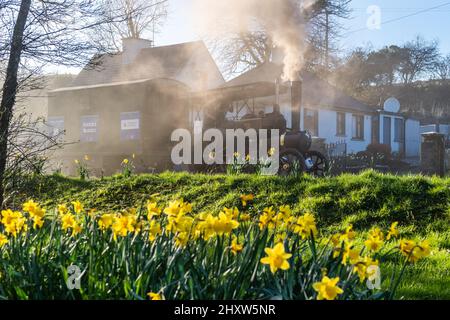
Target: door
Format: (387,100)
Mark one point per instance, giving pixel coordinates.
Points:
(387,134)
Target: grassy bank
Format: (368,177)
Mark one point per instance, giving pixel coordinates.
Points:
(420,205)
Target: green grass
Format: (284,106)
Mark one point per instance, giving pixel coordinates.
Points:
(420,204)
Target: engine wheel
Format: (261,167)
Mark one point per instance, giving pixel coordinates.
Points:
(292,162)
(320,164)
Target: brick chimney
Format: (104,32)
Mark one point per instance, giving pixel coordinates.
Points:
(131,48)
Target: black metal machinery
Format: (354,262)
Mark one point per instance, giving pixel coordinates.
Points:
(296,155)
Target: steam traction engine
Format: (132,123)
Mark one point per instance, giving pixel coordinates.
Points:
(296,155)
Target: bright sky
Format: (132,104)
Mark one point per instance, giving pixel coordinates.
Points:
(432,24)
(402,20)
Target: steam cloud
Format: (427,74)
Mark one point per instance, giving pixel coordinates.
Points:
(281,19)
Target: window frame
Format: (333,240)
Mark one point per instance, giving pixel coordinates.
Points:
(399,131)
(358,129)
(315,120)
(341,124)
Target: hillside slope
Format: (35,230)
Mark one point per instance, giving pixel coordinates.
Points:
(420,204)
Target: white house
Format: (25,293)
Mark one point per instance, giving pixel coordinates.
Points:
(330,114)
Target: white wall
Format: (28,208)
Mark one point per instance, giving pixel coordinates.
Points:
(328,130)
(443,128)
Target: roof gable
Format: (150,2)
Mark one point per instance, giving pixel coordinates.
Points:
(151,63)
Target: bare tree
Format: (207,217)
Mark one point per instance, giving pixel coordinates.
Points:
(442,67)
(325,28)
(243,51)
(419,57)
(30,144)
(247,49)
(36,33)
(138,19)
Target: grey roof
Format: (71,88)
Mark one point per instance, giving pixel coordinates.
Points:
(150,63)
(317,93)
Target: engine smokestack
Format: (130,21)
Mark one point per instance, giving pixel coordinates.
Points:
(296,104)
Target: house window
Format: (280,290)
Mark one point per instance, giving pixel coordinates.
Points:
(358,127)
(340,125)
(311,121)
(399,128)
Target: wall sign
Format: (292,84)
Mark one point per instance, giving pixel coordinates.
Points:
(89,128)
(55,126)
(130,126)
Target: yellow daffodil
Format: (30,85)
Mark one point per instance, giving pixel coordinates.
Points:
(232,213)
(181,239)
(327,288)
(105,221)
(267,219)
(62,209)
(179,223)
(153,210)
(30,206)
(178,207)
(393,232)
(123,224)
(414,251)
(3,240)
(86,158)
(422,250)
(14,222)
(69,221)
(376,233)
(277,258)
(155,296)
(38,223)
(284,213)
(225,224)
(154,230)
(351,255)
(244,217)
(375,239)
(125,161)
(305,226)
(236,247)
(373,243)
(349,234)
(92,213)
(206,226)
(336,240)
(77,207)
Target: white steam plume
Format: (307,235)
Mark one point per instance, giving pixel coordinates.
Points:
(281,19)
